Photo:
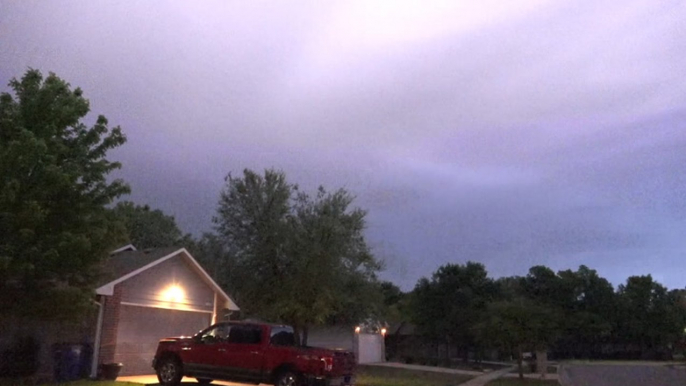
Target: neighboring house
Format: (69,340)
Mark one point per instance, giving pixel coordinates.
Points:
(366,342)
(152,294)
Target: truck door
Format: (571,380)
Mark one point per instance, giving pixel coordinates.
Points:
(200,358)
(243,353)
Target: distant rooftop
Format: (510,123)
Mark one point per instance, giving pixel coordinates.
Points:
(121,263)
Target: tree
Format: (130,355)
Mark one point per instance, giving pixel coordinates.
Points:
(53,219)
(590,305)
(585,299)
(148,228)
(446,307)
(395,303)
(303,258)
(518,325)
(651,316)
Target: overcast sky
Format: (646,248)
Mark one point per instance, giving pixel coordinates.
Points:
(531,132)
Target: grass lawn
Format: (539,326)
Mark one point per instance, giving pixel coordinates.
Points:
(386,376)
(86,382)
(525,382)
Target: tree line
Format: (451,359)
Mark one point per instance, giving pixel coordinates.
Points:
(570,314)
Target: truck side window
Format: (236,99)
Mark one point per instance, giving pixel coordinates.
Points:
(245,334)
(282,336)
(217,334)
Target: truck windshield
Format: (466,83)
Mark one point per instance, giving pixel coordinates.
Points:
(282,336)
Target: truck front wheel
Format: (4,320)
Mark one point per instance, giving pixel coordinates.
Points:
(287,378)
(169,371)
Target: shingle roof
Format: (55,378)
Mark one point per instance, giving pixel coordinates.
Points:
(123,263)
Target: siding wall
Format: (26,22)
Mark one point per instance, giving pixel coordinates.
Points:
(147,287)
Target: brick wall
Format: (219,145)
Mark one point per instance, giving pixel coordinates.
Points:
(110,323)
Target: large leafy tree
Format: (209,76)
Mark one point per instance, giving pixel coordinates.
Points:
(518,325)
(447,306)
(650,316)
(303,259)
(395,302)
(586,301)
(53,194)
(590,306)
(150,228)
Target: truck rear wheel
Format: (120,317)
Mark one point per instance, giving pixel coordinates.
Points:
(287,378)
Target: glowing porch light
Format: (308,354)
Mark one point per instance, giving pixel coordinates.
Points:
(357,329)
(383,331)
(174,294)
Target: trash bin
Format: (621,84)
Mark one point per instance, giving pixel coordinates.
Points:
(110,371)
(71,361)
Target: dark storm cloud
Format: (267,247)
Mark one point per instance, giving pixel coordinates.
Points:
(544,132)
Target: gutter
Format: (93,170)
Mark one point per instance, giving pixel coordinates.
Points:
(98,337)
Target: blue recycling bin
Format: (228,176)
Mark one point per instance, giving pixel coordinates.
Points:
(71,361)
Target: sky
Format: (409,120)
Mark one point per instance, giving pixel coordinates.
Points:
(508,133)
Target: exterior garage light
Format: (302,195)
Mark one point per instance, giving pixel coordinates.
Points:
(357,329)
(383,331)
(174,294)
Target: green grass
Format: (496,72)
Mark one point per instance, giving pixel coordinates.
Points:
(387,376)
(86,382)
(524,382)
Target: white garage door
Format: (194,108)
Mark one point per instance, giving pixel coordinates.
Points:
(370,348)
(140,328)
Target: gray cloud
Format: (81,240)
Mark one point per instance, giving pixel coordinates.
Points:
(543,132)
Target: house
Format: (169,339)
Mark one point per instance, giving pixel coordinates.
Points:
(148,295)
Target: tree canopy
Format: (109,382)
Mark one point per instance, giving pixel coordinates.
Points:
(150,228)
(518,325)
(303,258)
(447,306)
(54,175)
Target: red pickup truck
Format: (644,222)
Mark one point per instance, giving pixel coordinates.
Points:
(251,352)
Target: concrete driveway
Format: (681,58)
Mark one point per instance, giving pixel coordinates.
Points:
(152,380)
(621,375)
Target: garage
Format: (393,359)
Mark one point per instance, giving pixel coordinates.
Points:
(152,294)
(140,328)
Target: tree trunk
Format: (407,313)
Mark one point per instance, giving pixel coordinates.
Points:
(447,351)
(296,332)
(520,366)
(306,334)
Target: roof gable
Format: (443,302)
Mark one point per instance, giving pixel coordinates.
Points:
(129,263)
